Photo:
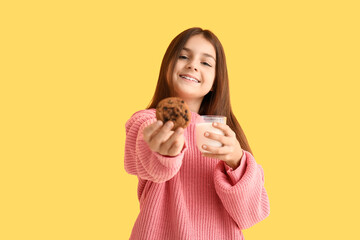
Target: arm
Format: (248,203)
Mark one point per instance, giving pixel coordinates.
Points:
(139,159)
(245,200)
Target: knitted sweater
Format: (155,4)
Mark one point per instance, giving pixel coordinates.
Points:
(189,196)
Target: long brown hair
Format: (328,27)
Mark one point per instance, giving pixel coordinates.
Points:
(217,101)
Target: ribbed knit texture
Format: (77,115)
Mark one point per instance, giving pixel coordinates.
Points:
(190,196)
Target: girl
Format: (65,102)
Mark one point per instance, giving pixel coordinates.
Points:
(183,193)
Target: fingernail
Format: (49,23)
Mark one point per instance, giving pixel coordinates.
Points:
(204,147)
(206,134)
(159,123)
(215,124)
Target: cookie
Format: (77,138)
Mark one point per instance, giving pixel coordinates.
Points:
(173,109)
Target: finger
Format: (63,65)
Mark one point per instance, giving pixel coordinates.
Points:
(177,146)
(150,130)
(168,135)
(173,140)
(225,128)
(218,150)
(162,134)
(217,137)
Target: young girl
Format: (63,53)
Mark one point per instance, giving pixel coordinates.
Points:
(184,193)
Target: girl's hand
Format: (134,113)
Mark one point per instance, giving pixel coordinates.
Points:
(162,140)
(230,152)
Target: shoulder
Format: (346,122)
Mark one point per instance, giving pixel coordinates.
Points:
(142,116)
(144,113)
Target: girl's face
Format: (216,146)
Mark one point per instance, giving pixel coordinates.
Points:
(194,71)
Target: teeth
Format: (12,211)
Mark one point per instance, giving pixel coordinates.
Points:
(189,78)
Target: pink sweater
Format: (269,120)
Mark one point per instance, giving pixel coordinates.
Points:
(190,196)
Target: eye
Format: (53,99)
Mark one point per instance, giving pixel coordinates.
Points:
(205,63)
(183,57)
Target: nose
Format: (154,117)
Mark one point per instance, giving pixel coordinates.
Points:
(191,65)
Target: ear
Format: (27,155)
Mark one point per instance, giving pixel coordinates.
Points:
(212,87)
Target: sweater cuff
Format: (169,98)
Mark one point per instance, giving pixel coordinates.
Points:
(172,161)
(223,183)
(236,174)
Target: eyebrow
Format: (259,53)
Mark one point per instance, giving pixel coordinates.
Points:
(204,54)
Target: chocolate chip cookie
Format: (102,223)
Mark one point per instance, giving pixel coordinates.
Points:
(174,109)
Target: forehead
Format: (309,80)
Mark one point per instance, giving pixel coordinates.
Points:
(199,45)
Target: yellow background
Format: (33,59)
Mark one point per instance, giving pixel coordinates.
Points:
(73,72)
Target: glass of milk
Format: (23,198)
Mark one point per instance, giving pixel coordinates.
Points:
(205,125)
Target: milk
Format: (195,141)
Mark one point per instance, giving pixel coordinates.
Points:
(200,130)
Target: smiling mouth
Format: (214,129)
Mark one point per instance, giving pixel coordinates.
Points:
(189,78)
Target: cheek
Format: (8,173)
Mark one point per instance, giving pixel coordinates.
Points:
(210,77)
(178,65)
(176,70)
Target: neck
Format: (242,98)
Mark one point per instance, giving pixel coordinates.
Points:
(194,105)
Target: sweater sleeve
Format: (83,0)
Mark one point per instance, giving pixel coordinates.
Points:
(246,200)
(139,159)
(236,174)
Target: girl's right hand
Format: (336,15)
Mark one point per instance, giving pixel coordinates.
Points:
(161,139)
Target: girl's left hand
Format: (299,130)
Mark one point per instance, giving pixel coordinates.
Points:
(230,152)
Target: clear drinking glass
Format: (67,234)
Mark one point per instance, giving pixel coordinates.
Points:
(205,124)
